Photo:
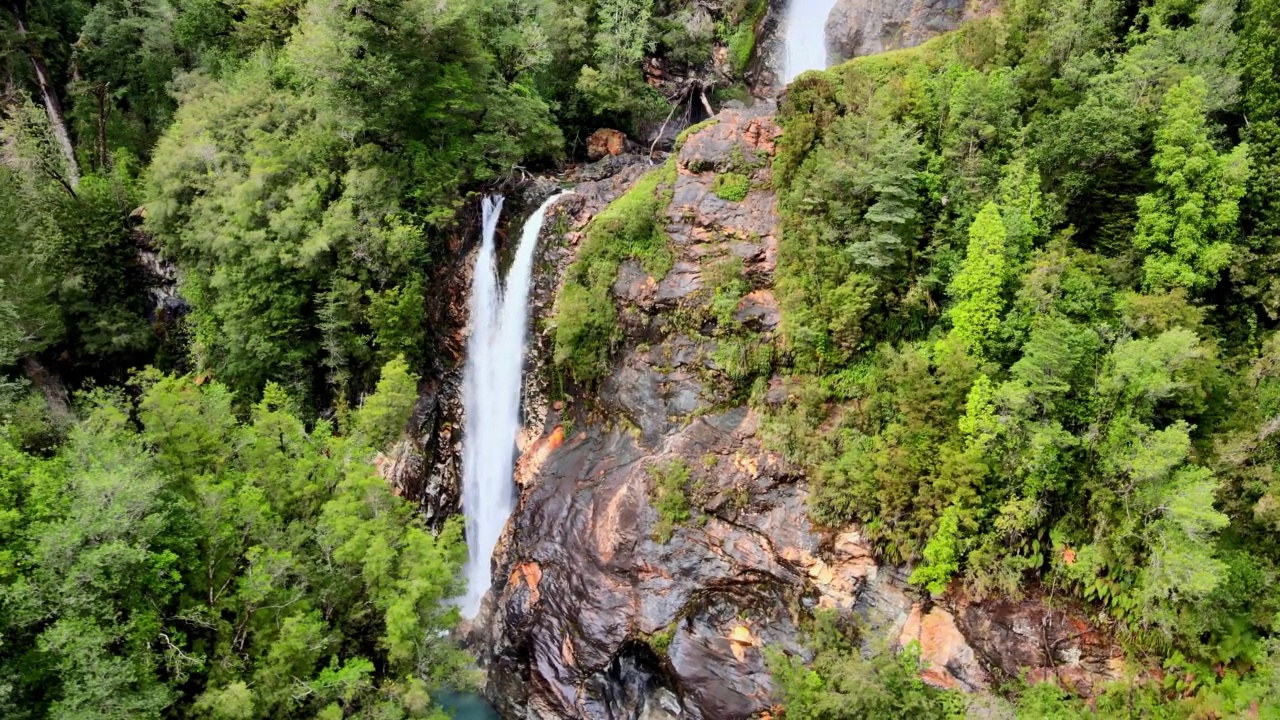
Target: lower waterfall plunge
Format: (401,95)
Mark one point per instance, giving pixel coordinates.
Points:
(491,393)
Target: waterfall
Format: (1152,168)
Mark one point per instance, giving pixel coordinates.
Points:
(805,37)
(491,394)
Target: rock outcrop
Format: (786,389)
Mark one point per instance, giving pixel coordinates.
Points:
(865,27)
(593,613)
(606,142)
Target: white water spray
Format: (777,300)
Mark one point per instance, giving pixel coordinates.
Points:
(805,38)
(491,394)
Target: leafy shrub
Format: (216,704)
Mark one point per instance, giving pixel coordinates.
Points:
(731,186)
(841,683)
(661,642)
(668,493)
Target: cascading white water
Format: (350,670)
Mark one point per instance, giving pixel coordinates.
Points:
(491,394)
(805,37)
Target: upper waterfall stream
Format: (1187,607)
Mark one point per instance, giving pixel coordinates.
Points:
(492,382)
(805,37)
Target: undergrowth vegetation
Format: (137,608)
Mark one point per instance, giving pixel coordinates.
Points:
(731,186)
(669,492)
(585,318)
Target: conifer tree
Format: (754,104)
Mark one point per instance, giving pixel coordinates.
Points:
(975,317)
(1187,225)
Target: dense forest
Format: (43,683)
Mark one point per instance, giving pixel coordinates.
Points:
(207,537)
(1030,309)
(1029,330)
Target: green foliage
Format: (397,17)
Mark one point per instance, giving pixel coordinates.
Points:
(67,262)
(660,642)
(1028,311)
(1187,228)
(584,318)
(382,417)
(1259,56)
(731,186)
(667,491)
(303,212)
(1188,691)
(841,683)
(941,555)
(851,225)
(260,569)
(740,32)
(975,317)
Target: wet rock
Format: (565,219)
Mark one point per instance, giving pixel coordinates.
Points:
(607,167)
(605,584)
(51,385)
(764,72)
(737,138)
(634,286)
(684,279)
(719,630)
(949,661)
(591,197)
(159,277)
(1047,642)
(658,389)
(865,27)
(758,310)
(661,133)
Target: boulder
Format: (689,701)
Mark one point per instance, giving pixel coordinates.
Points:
(949,662)
(1059,642)
(606,142)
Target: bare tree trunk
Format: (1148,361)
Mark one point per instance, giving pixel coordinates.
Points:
(702,95)
(50,97)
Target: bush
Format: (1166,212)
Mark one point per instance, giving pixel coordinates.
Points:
(731,186)
(667,492)
(843,683)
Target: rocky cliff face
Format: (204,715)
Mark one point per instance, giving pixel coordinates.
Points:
(856,28)
(593,612)
(865,27)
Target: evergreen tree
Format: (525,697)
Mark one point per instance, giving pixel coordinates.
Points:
(1188,226)
(977,287)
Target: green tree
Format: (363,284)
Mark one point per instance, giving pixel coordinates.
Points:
(1188,226)
(978,285)
(261,569)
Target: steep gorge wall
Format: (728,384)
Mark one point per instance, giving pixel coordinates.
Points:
(593,614)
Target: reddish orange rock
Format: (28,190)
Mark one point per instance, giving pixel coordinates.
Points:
(605,142)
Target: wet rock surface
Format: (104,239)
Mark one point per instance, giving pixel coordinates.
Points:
(592,613)
(426,465)
(1011,636)
(593,590)
(865,27)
